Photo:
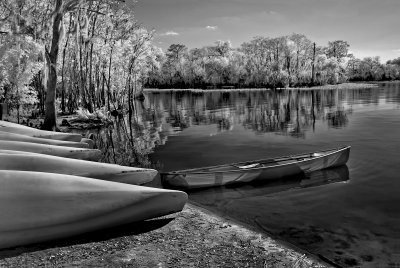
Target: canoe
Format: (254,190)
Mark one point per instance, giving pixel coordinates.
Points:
(255,171)
(33,132)
(53,164)
(62,151)
(37,207)
(8,136)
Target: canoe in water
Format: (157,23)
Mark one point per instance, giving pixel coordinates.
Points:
(62,151)
(37,207)
(8,136)
(33,132)
(53,164)
(255,171)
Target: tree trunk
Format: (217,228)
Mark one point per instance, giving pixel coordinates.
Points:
(313,68)
(109,80)
(62,69)
(50,120)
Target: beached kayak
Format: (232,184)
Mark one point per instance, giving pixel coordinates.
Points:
(89,142)
(255,171)
(53,164)
(11,124)
(8,136)
(33,132)
(37,207)
(62,151)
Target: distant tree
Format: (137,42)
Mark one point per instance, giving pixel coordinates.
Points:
(338,49)
(394,61)
(175,58)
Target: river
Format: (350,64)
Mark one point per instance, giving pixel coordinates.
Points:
(349,215)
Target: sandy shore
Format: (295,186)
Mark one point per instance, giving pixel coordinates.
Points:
(191,238)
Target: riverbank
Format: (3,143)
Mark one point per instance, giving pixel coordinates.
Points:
(192,238)
(329,87)
(339,86)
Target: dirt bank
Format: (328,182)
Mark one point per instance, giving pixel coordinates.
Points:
(192,238)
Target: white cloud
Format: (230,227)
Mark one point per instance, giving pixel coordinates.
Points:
(397,51)
(169,33)
(212,28)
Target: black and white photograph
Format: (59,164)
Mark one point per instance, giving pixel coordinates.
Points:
(200,133)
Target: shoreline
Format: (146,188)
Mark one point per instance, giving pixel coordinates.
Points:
(349,85)
(194,237)
(240,245)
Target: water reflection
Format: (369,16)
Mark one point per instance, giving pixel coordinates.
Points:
(356,222)
(218,196)
(291,113)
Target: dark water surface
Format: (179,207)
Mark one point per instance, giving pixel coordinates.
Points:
(350,215)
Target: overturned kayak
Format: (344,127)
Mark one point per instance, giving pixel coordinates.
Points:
(255,171)
(16,160)
(62,151)
(33,132)
(37,207)
(11,124)
(89,142)
(8,136)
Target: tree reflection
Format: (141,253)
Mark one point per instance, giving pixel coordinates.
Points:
(287,112)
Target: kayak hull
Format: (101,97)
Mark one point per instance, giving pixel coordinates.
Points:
(62,151)
(33,132)
(53,164)
(37,207)
(8,136)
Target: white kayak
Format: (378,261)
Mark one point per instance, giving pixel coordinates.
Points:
(16,160)
(89,142)
(33,132)
(8,136)
(11,124)
(37,207)
(63,151)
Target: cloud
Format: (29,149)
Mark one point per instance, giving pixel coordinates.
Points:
(397,51)
(169,33)
(212,28)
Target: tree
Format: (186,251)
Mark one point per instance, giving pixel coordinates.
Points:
(18,53)
(394,61)
(338,49)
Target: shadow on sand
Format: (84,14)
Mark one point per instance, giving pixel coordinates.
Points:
(96,236)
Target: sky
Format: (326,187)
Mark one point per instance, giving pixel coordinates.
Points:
(372,27)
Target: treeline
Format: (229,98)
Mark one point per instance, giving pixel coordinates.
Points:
(293,61)
(63,55)
(71,54)
(371,69)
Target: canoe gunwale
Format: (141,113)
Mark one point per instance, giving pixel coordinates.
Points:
(282,158)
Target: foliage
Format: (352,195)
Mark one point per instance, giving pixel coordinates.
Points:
(261,62)
(99,56)
(104,55)
(18,64)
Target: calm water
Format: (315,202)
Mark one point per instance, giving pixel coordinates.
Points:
(349,215)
